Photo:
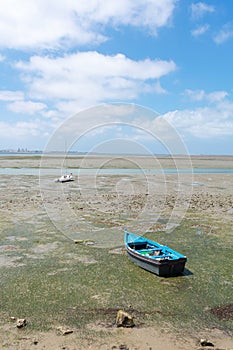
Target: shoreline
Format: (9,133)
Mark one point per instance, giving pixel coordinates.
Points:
(113,161)
(149,338)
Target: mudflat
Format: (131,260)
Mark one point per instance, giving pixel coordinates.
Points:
(63,264)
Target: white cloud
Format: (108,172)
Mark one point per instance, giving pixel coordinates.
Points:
(7,95)
(18,104)
(195,95)
(20,130)
(216,96)
(2,58)
(226,33)
(199,9)
(201,95)
(46,24)
(26,107)
(200,30)
(91,77)
(204,123)
(68,108)
(157,88)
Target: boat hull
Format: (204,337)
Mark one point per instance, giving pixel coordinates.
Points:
(65,178)
(164,266)
(168,268)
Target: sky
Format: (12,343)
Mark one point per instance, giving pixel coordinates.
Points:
(167,60)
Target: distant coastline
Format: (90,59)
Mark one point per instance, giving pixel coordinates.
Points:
(83,153)
(19,151)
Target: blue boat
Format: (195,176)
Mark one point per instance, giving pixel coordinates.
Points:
(154,257)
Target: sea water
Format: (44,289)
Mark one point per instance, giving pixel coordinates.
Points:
(115,171)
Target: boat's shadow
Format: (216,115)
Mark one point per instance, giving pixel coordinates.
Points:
(185,273)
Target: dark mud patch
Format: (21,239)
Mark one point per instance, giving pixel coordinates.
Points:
(106,317)
(223,312)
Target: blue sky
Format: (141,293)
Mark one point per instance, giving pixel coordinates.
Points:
(173,57)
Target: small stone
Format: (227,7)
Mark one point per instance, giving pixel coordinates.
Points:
(78,241)
(21,322)
(205,342)
(64,330)
(124,319)
(87,242)
(123,347)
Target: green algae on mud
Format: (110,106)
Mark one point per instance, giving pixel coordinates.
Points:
(50,280)
(60,282)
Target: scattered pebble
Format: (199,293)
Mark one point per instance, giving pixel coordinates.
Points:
(205,342)
(84,241)
(64,330)
(21,322)
(124,319)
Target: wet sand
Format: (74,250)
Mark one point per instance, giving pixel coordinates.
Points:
(109,203)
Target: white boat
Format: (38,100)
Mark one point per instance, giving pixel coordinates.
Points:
(66,178)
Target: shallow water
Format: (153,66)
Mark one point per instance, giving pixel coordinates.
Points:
(115,171)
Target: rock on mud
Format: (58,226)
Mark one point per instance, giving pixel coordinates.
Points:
(124,319)
(21,322)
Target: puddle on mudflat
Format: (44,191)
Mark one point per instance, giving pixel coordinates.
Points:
(10,261)
(9,248)
(45,248)
(15,238)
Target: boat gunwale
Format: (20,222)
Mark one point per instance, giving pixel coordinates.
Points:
(154,261)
